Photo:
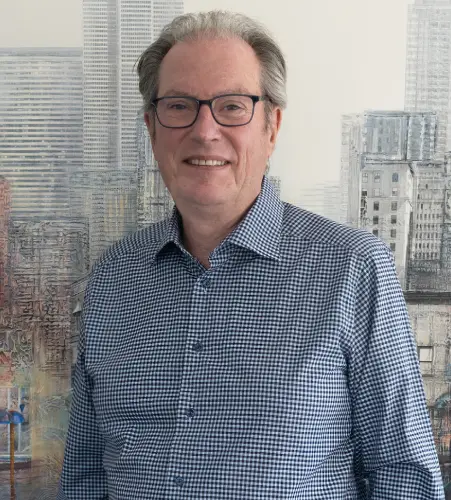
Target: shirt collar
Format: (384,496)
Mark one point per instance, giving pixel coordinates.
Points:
(259,231)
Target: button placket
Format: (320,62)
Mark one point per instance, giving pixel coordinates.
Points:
(179,460)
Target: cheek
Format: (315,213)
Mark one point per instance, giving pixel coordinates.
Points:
(247,144)
(165,147)
(258,147)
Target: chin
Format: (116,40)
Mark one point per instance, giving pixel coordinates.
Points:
(207,195)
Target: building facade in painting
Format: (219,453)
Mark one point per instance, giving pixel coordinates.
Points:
(41,137)
(381,153)
(428,65)
(46,256)
(116,32)
(5,206)
(430,315)
(430,263)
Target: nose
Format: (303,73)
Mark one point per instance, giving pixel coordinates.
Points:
(205,128)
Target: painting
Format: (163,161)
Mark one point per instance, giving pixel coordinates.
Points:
(77,173)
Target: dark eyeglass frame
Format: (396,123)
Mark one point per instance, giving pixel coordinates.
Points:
(209,103)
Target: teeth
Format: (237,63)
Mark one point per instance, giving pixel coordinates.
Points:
(207,162)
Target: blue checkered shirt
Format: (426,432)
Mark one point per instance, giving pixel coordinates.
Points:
(286,371)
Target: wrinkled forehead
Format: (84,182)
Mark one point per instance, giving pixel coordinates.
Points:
(208,67)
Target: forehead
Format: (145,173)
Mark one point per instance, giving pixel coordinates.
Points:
(207,67)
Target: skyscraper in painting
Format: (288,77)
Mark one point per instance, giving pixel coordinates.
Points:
(428,88)
(382,152)
(41,129)
(116,32)
(428,65)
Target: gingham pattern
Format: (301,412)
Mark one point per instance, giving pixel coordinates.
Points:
(286,371)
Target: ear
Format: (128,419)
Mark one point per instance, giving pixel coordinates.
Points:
(274,127)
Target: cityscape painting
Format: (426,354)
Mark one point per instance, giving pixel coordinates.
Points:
(77,173)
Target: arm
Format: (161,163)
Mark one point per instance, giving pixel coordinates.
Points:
(83,476)
(394,446)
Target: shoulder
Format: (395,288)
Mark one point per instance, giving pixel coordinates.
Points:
(330,236)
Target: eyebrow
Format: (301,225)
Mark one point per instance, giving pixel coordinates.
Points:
(236,90)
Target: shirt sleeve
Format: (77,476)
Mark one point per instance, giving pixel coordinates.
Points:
(83,476)
(395,455)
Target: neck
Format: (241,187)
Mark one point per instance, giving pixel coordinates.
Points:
(204,230)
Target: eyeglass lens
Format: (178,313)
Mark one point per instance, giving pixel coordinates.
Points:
(182,111)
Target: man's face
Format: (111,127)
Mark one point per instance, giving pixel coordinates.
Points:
(205,69)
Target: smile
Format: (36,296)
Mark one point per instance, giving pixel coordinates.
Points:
(212,163)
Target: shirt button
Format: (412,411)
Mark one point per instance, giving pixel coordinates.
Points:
(179,481)
(190,412)
(198,346)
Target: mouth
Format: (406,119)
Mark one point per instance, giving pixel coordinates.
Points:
(209,162)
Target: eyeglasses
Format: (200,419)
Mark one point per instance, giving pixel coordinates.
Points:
(229,110)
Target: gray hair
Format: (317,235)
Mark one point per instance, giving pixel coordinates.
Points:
(217,24)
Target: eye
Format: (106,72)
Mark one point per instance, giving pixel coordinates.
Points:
(177,106)
(232,107)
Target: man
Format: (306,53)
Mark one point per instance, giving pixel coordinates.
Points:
(243,348)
